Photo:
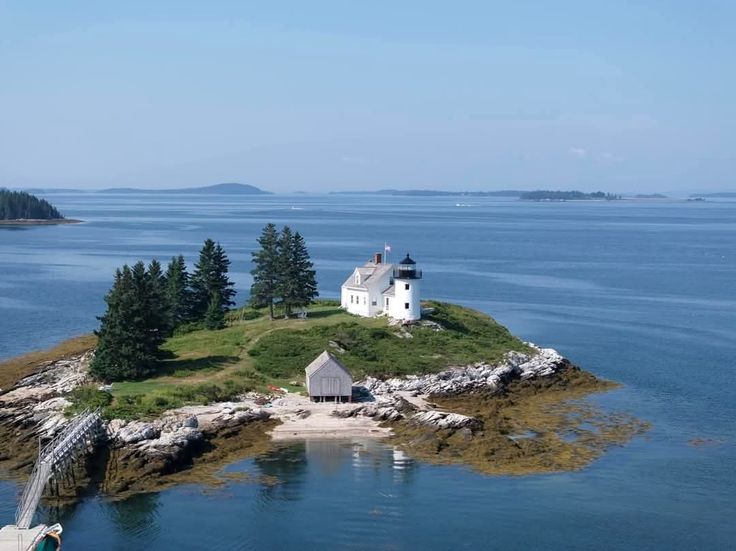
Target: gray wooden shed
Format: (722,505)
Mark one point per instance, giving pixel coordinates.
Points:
(328,378)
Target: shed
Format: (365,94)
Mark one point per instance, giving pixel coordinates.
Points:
(328,378)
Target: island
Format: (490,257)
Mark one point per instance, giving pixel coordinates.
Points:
(195,384)
(22,208)
(547,195)
(222,189)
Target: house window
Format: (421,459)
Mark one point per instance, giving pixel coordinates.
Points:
(387,303)
(406,306)
(406,286)
(351,299)
(357,279)
(373,303)
(364,300)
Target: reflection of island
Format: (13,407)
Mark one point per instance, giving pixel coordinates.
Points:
(288,465)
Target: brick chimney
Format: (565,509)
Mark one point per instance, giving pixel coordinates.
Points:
(377,258)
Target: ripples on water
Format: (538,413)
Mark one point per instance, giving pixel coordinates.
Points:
(641,293)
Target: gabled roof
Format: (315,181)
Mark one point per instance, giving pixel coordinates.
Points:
(370,274)
(390,291)
(324,359)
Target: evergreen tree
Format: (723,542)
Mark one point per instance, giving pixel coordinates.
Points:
(306,276)
(214,318)
(211,278)
(124,349)
(178,294)
(265,261)
(158,307)
(15,205)
(287,278)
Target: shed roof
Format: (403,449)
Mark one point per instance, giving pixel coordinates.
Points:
(326,358)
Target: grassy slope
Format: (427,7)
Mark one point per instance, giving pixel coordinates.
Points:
(249,354)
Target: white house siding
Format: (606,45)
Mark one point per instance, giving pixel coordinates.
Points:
(356,301)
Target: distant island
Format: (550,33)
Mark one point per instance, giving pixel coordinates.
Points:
(719,195)
(650,196)
(226,189)
(433,193)
(547,195)
(20,207)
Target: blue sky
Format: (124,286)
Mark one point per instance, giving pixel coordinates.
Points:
(310,96)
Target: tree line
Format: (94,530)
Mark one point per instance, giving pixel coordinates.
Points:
(16,205)
(147,304)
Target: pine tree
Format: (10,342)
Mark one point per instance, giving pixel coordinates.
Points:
(214,318)
(210,277)
(178,294)
(265,261)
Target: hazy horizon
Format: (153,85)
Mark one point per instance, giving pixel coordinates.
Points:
(331,96)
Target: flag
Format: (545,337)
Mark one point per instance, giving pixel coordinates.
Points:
(387,247)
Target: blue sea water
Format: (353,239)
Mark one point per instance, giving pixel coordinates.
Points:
(643,293)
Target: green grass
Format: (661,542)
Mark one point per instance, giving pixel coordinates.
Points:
(253,351)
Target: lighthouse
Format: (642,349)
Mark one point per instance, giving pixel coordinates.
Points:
(379,288)
(405,304)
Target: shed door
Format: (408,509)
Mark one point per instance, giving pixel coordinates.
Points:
(330,386)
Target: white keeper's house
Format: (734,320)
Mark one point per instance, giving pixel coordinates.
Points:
(379,288)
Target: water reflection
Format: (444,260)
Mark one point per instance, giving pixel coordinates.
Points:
(135,516)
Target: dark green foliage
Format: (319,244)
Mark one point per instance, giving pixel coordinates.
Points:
(132,328)
(158,306)
(15,205)
(214,317)
(468,337)
(297,284)
(87,397)
(263,292)
(211,277)
(282,271)
(178,294)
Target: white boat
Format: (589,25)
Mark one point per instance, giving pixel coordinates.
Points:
(38,538)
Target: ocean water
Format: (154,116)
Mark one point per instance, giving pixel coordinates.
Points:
(643,293)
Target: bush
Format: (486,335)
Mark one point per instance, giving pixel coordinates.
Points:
(87,397)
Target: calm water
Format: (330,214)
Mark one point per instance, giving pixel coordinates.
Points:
(642,293)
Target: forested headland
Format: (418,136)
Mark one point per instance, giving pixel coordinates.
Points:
(19,205)
(148,304)
(548,195)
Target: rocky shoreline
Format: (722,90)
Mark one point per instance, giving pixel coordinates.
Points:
(141,453)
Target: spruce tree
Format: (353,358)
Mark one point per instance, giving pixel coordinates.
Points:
(214,318)
(124,349)
(159,308)
(265,261)
(306,280)
(178,294)
(210,277)
(287,277)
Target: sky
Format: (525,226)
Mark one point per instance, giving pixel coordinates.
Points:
(626,96)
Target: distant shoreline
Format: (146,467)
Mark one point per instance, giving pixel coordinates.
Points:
(39,222)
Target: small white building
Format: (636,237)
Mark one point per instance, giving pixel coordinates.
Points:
(379,288)
(326,377)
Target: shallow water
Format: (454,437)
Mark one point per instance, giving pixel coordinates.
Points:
(641,293)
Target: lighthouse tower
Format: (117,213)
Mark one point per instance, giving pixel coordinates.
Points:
(405,304)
